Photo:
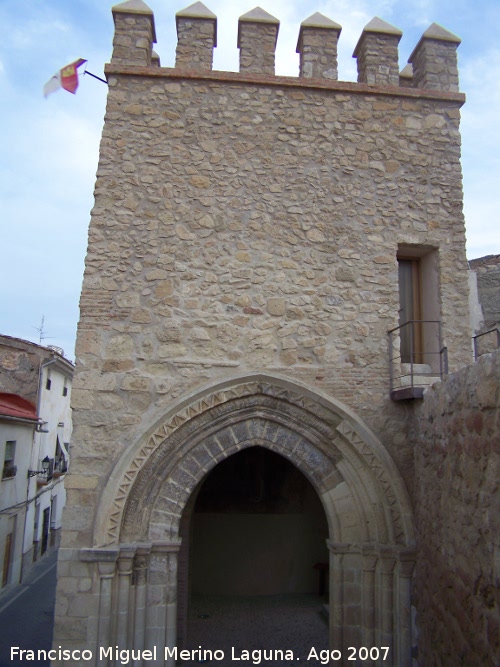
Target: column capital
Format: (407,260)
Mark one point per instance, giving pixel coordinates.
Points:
(102,555)
(167,546)
(343,547)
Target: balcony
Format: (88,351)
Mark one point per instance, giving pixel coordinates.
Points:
(60,466)
(417,358)
(45,471)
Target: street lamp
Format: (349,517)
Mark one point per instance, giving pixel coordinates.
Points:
(45,468)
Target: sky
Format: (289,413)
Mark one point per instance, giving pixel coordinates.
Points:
(49,147)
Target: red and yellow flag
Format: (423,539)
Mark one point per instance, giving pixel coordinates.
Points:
(66,78)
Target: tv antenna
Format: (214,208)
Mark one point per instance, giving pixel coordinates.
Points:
(41,331)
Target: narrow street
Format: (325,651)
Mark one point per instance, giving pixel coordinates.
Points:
(27,614)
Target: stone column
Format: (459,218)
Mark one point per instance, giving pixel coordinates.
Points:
(183,580)
(336,601)
(370,560)
(434,60)
(123,602)
(406,566)
(377,54)
(156,602)
(107,568)
(139,580)
(257,36)
(353,600)
(386,568)
(317,45)
(161,603)
(171,618)
(134,34)
(196,37)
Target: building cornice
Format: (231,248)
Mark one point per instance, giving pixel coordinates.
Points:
(282,82)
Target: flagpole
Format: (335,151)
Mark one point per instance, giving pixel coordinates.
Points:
(95,77)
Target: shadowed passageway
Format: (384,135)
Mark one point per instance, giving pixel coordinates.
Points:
(294,623)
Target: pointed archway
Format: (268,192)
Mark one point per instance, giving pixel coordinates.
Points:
(370,525)
(254,537)
(257,528)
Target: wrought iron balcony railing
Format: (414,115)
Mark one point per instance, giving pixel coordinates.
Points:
(60,466)
(486,342)
(417,358)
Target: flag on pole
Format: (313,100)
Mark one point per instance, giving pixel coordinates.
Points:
(66,78)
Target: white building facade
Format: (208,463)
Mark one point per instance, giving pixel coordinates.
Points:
(42,376)
(18,421)
(46,491)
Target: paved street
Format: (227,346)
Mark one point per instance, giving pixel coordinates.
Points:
(27,614)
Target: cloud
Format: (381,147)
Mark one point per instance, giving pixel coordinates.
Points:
(481,151)
(34,31)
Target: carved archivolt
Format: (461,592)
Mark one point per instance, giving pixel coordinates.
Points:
(319,436)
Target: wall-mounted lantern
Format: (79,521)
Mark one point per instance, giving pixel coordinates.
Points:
(45,468)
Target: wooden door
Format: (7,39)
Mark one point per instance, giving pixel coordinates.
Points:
(410,311)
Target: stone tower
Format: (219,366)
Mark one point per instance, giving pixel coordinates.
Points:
(254,239)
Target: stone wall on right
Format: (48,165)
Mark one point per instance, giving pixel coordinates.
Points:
(457,469)
(487,270)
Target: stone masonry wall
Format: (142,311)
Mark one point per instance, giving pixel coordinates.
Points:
(488,283)
(255,226)
(457,464)
(20,363)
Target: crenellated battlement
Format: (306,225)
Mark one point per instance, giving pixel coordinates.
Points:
(257,38)
(432,64)
(134,34)
(196,37)
(377,54)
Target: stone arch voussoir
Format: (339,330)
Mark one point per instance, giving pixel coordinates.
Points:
(325,440)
